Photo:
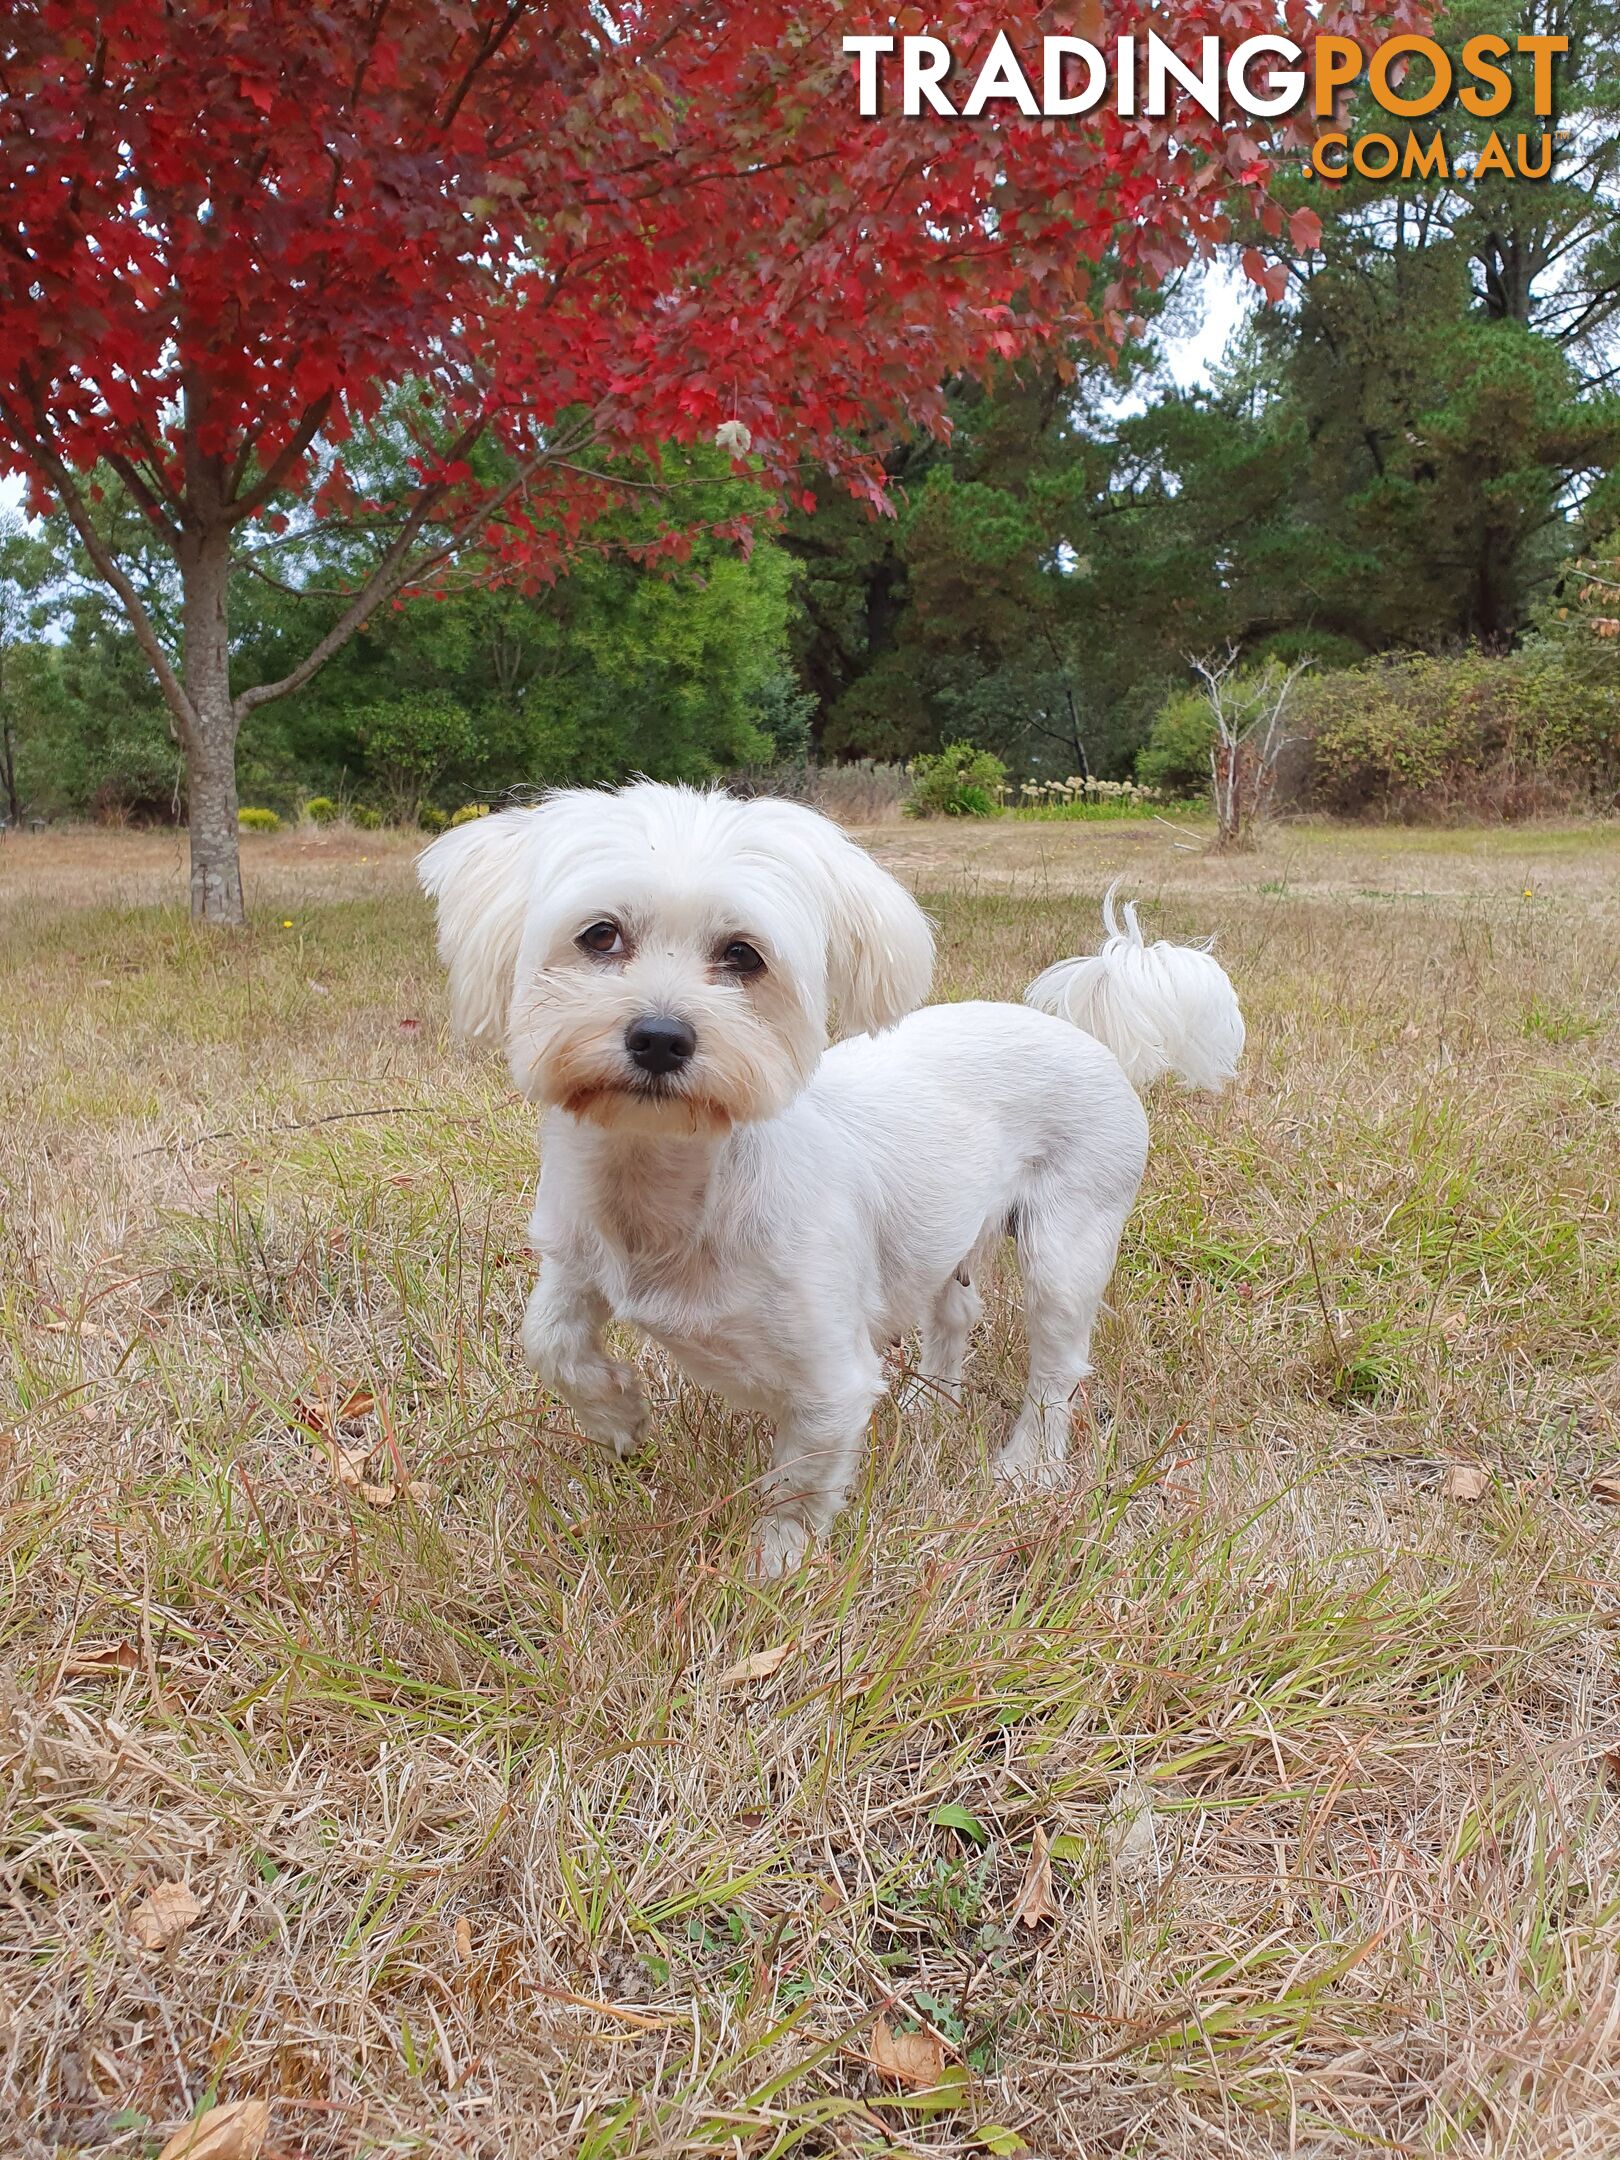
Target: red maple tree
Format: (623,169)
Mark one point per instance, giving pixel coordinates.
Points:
(231,229)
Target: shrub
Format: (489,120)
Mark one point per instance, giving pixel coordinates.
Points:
(432,819)
(855,791)
(258,820)
(1175,758)
(364,817)
(1416,735)
(411,743)
(137,782)
(322,810)
(783,713)
(469,811)
(960,781)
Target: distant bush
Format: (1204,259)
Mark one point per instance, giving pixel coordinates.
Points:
(138,782)
(1419,737)
(364,817)
(411,743)
(258,820)
(855,791)
(432,819)
(469,811)
(1416,736)
(1175,758)
(959,781)
(783,712)
(322,810)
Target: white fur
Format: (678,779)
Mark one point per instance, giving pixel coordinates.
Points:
(777,1213)
(1160,1008)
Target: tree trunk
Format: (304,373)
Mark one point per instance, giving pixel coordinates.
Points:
(209,739)
(8,748)
(216,865)
(8,771)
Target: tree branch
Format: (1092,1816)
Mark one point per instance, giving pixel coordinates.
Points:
(396,569)
(309,426)
(129,472)
(174,690)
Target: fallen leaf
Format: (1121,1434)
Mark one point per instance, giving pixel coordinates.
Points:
(1606,1487)
(913,2058)
(347,1465)
(349,1468)
(1129,1834)
(758,1667)
(464,1943)
(236,2131)
(118,1657)
(163,1917)
(992,2138)
(1035,1900)
(1453,1324)
(323,1417)
(1465,1481)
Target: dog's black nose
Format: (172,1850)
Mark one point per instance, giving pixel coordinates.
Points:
(659,1045)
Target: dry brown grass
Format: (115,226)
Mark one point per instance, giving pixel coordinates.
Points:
(494,1853)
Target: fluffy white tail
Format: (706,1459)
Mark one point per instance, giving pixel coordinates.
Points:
(1160,1008)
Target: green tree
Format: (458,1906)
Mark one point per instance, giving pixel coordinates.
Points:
(26,670)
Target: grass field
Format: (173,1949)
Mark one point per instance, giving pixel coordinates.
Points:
(515,1821)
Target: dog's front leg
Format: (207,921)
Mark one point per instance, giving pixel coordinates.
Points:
(562,1344)
(817,1452)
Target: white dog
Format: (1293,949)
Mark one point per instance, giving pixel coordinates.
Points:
(664,968)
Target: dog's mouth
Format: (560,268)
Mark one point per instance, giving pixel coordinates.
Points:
(633,1087)
(604,1103)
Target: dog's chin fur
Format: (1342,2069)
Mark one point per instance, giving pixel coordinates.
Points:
(668,1114)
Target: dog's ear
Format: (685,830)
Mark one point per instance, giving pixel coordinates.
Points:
(480,875)
(880,947)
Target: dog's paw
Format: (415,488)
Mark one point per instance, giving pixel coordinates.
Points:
(1024,1466)
(781,1543)
(615,1413)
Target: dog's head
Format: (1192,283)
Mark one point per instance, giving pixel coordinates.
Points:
(668,959)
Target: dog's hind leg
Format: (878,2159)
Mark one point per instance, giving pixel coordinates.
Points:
(956,1312)
(1066,1249)
(818,1449)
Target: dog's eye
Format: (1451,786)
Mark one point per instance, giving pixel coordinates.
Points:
(741,958)
(605,938)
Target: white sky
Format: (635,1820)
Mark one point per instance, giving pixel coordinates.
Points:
(1228,297)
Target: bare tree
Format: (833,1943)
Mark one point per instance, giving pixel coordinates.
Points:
(1247,709)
